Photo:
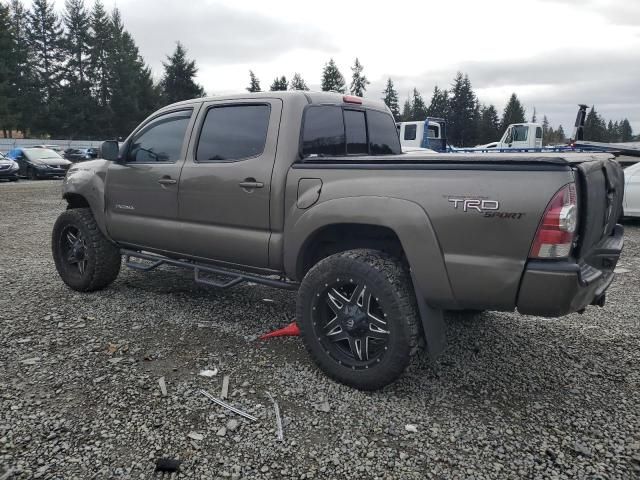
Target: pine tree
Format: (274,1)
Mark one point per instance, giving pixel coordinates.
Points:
(254,83)
(560,137)
(100,48)
(489,125)
(594,127)
(626,133)
(332,79)
(298,83)
(418,107)
(358,81)
(545,130)
(463,109)
(76,91)
(178,80)
(391,99)
(44,39)
(513,113)
(534,118)
(407,114)
(7,64)
(439,105)
(279,84)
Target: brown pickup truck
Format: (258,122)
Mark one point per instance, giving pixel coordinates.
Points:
(311,192)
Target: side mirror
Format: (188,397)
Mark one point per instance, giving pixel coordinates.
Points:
(110,150)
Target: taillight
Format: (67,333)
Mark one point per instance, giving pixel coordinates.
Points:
(557,230)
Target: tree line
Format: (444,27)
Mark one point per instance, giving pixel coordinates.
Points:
(80,75)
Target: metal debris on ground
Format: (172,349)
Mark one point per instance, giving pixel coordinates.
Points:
(225,387)
(163,386)
(276,409)
(208,373)
(195,436)
(227,406)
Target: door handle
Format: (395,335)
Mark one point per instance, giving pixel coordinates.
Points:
(250,183)
(167,181)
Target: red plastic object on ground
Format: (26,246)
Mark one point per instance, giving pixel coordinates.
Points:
(290,330)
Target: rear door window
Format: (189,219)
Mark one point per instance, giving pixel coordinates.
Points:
(323,133)
(233,132)
(356,131)
(383,137)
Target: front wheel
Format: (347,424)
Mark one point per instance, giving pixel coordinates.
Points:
(86,261)
(358,318)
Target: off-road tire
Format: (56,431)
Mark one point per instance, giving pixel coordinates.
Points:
(102,257)
(390,282)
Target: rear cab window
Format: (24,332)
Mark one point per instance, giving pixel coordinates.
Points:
(337,131)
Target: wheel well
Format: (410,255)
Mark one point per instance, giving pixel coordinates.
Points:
(75,200)
(347,236)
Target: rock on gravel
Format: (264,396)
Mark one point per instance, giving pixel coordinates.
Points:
(513,397)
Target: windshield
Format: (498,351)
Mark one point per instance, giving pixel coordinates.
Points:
(42,154)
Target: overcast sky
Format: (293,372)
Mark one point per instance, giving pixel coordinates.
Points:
(552,53)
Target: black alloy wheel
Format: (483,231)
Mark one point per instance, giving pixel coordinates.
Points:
(74,249)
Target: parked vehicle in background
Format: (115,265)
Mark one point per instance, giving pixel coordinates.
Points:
(38,162)
(54,147)
(632,191)
(80,154)
(8,169)
(310,191)
(430,133)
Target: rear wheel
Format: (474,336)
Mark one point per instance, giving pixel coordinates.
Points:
(358,318)
(84,258)
(32,174)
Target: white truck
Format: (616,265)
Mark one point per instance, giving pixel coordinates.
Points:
(518,136)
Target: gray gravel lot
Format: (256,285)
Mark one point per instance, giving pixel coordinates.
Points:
(513,397)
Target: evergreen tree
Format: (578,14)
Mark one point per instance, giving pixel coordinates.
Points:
(418,107)
(44,38)
(545,130)
(133,96)
(178,80)
(463,110)
(406,115)
(513,113)
(332,79)
(100,48)
(534,118)
(439,106)
(279,84)
(298,83)
(489,129)
(7,64)
(358,81)
(26,99)
(76,91)
(560,136)
(626,133)
(391,99)
(594,127)
(254,83)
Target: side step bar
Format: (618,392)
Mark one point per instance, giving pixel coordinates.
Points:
(235,277)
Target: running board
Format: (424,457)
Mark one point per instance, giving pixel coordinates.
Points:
(235,277)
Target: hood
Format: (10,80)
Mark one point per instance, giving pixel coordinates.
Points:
(51,161)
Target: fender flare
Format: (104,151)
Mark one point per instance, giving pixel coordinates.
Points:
(407,219)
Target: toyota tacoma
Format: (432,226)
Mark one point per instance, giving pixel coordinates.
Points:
(311,192)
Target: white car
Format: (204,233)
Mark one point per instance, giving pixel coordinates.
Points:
(632,191)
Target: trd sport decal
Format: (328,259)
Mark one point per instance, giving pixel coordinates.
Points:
(488,208)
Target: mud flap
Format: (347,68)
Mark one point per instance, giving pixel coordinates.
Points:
(433,325)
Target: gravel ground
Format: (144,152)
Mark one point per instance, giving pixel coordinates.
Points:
(513,397)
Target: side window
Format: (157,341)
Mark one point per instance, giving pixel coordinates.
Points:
(356,130)
(383,139)
(538,132)
(323,131)
(520,133)
(410,132)
(233,132)
(160,140)
(432,131)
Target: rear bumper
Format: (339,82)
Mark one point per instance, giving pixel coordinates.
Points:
(553,289)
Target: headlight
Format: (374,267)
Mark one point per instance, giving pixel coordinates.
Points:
(14,166)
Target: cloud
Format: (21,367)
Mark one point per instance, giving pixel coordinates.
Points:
(617,12)
(215,33)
